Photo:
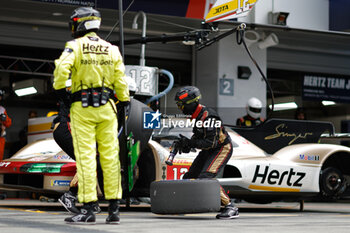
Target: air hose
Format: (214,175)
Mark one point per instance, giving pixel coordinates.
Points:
(170,85)
(240,39)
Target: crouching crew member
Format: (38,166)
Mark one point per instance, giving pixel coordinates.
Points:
(212,139)
(96,69)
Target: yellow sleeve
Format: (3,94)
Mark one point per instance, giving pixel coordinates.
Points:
(63,66)
(120,86)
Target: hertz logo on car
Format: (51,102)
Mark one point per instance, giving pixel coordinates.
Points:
(291,178)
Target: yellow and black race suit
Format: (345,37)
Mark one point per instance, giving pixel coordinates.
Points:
(94,63)
(249,121)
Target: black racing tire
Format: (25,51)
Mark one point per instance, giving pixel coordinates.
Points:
(332,182)
(135,125)
(185,196)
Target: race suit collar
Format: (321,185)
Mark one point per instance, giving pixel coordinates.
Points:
(91,34)
(197,111)
(251,118)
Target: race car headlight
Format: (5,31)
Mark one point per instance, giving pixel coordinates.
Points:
(42,167)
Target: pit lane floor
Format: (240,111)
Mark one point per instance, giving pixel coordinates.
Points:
(31,216)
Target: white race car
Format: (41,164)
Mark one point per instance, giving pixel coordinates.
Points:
(285,162)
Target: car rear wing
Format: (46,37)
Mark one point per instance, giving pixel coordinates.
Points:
(337,138)
(275,134)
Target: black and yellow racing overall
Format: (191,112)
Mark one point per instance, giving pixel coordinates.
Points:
(249,121)
(94,66)
(215,145)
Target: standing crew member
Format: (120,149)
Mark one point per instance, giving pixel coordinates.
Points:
(252,118)
(5,122)
(96,70)
(213,140)
(63,137)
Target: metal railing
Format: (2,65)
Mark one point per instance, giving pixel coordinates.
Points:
(22,65)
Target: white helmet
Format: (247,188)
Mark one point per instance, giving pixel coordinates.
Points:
(84,19)
(131,84)
(254,106)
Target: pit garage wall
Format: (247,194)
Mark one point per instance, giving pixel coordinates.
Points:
(305,14)
(221,61)
(339,15)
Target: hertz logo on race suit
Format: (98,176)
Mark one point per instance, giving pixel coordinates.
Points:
(229,9)
(96,49)
(275,177)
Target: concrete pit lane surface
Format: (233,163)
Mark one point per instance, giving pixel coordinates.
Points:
(38,217)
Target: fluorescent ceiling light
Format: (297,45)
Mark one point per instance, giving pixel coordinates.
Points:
(28,87)
(326,102)
(26,91)
(284,106)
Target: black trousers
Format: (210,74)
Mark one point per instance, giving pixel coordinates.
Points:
(208,164)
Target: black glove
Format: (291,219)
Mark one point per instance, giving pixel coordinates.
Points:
(2,117)
(63,96)
(124,103)
(185,144)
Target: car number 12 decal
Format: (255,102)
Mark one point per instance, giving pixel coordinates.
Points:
(176,172)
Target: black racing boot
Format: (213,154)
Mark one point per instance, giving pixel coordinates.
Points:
(96,208)
(68,200)
(86,215)
(113,212)
(229,212)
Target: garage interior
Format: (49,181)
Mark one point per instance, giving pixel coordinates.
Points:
(33,33)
